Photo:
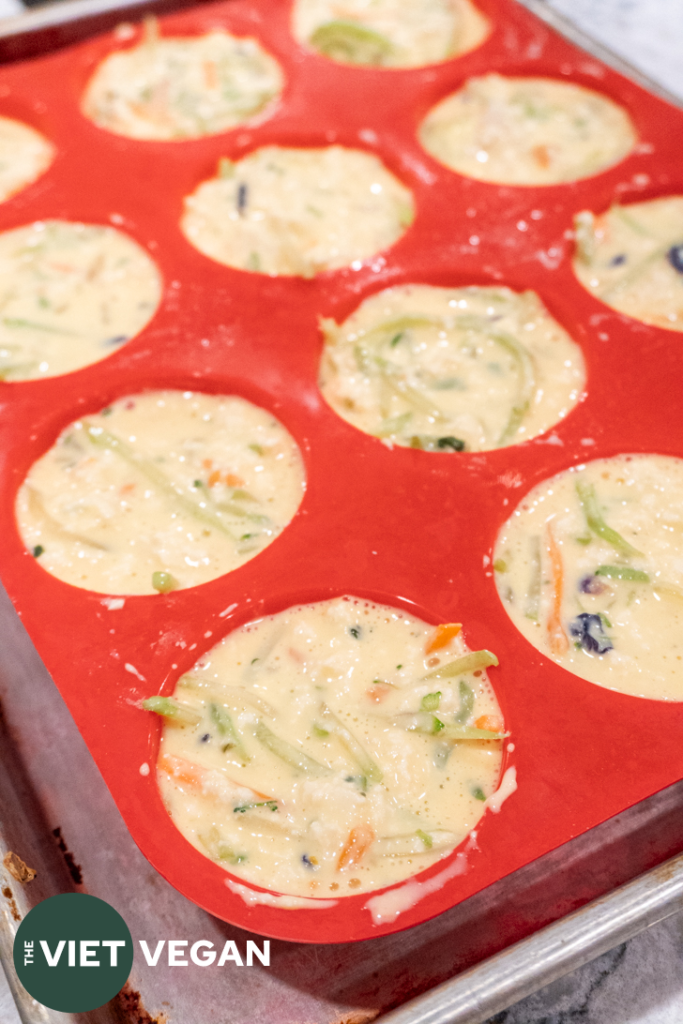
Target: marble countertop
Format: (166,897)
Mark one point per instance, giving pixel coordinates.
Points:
(641,981)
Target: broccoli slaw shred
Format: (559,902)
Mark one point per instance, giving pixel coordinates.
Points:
(589,570)
(389,33)
(176,87)
(631,258)
(309,752)
(160,491)
(450,370)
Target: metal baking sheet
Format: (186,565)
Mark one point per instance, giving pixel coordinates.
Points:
(49,765)
(49,782)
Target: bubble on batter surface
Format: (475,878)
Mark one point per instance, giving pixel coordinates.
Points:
(389,33)
(25,154)
(331,749)
(631,258)
(70,295)
(160,491)
(590,569)
(298,212)
(527,131)
(177,87)
(451,369)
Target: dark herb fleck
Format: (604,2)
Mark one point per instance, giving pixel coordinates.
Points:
(242,194)
(107,412)
(38,551)
(591,585)
(118,339)
(478,793)
(355,632)
(588,632)
(617,261)
(396,338)
(453,444)
(310,862)
(206,737)
(675,257)
(196,483)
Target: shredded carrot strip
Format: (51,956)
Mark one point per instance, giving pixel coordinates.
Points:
(233,480)
(210,74)
(378,692)
(127,488)
(356,846)
(493,723)
(559,643)
(541,156)
(181,770)
(215,477)
(207,463)
(442,636)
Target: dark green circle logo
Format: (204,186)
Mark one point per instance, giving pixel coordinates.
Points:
(73,952)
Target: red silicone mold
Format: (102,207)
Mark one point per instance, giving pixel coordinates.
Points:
(409,528)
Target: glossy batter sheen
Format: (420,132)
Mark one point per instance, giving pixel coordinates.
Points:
(160,491)
(315,752)
(590,570)
(181,87)
(24,155)
(527,131)
(70,295)
(631,258)
(389,33)
(297,211)
(451,369)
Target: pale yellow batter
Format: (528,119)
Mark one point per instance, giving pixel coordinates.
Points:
(160,491)
(70,295)
(590,570)
(297,211)
(334,748)
(451,369)
(631,258)
(25,154)
(389,33)
(182,87)
(527,131)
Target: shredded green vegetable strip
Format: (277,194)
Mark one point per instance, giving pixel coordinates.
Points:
(218,849)
(104,439)
(290,755)
(226,727)
(170,708)
(396,327)
(431,701)
(349,41)
(270,804)
(433,726)
(367,362)
(37,507)
(370,770)
(596,522)
(623,572)
(466,702)
(468,663)
(527,381)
